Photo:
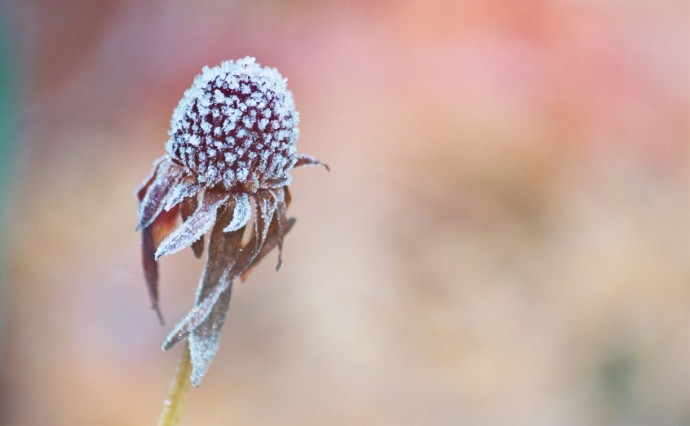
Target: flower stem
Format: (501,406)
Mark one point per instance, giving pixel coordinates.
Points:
(179,389)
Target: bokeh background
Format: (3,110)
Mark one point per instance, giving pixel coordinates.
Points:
(503,238)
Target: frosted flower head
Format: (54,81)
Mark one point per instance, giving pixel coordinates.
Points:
(236,125)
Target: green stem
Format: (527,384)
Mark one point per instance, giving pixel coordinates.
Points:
(179,389)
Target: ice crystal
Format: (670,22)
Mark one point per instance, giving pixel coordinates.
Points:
(231,115)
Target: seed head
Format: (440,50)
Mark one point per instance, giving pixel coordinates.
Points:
(236,125)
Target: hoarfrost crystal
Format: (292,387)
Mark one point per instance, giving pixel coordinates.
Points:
(231,115)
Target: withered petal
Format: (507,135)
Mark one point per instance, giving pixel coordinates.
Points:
(222,254)
(287,196)
(196,225)
(150,265)
(216,279)
(223,248)
(185,188)
(267,202)
(241,213)
(198,314)
(270,244)
(265,208)
(280,223)
(203,340)
(308,160)
(152,204)
(150,238)
(187,208)
(140,191)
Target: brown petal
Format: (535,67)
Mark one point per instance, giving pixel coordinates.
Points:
(241,212)
(270,244)
(308,160)
(280,225)
(196,225)
(287,197)
(198,314)
(187,207)
(203,340)
(144,185)
(150,238)
(217,279)
(267,203)
(186,188)
(153,201)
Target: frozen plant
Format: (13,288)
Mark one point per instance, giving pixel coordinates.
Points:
(231,147)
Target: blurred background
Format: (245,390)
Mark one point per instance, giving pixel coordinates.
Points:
(503,238)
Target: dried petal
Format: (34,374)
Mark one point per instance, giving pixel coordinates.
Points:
(241,214)
(203,341)
(187,208)
(196,225)
(198,314)
(270,244)
(148,260)
(144,185)
(153,201)
(308,160)
(287,197)
(222,251)
(186,188)
(280,226)
(266,207)
(150,238)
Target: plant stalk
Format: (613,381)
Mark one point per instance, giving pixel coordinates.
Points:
(179,390)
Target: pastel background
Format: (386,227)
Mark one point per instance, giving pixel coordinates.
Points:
(503,238)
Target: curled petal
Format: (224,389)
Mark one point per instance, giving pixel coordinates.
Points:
(187,208)
(265,208)
(287,198)
(150,238)
(214,288)
(148,260)
(308,160)
(241,213)
(203,340)
(222,252)
(143,186)
(186,188)
(280,225)
(152,203)
(198,314)
(195,226)
(267,203)
(280,182)
(270,244)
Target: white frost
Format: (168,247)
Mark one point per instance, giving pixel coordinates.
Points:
(245,100)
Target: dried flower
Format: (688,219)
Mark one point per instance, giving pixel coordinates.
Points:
(232,145)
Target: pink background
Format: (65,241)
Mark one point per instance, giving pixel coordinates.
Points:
(502,240)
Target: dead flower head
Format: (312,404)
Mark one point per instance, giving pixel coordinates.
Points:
(231,149)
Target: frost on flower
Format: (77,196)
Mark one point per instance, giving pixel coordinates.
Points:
(231,146)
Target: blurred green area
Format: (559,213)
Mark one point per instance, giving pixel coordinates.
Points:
(8,141)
